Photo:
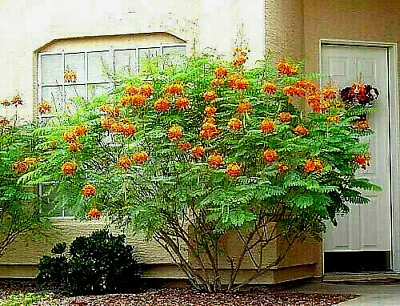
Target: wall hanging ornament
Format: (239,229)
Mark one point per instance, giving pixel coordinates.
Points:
(359,94)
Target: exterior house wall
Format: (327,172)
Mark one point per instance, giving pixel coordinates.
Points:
(29,27)
(368,20)
(284,28)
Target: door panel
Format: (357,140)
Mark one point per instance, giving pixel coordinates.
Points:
(367,227)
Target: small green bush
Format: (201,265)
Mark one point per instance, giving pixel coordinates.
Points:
(28,299)
(99,263)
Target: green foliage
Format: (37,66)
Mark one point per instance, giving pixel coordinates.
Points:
(28,299)
(99,263)
(20,207)
(179,198)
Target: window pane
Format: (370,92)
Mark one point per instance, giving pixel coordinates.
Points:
(95,90)
(76,63)
(52,69)
(173,55)
(48,206)
(53,95)
(125,61)
(177,50)
(98,66)
(72,93)
(148,53)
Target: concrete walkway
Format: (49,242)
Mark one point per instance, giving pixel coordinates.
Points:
(370,294)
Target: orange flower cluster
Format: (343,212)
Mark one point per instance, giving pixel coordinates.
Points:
(270,155)
(20,167)
(112,111)
(17,100)
(135,100)
(4,121)
(238,82)
(175,132)
(69,168)
(317,104)
(184,146)
(182,103)
(94,213)
(74,146)
(244,107)
(210,120)
(267,126)
(210,111)
(307,85)
(300,130)
(215,160)
(314,164)
(334,119)
(217,82)
(210,95)
(198,151)
(269,88)
(44,107)
(234,124)
(174,89)
(5,103)
(329,93)
(124,162)
(362,160)
(24,164)
(89,191)
(234,170)
(140,157)
(282,168)
(362,125)
(70,136)
(124,127)
(220,72)
(80,130)
(286,68)
(239,56)
(208,130)
(70,76)
(146,90)
(162,105)
(294,91)
(285,117)
(131,90)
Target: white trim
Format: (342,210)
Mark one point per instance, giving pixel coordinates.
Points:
(394,134)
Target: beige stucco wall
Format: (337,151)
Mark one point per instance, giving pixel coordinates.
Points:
(22,257)
(366,20)
(28,25)
(284,28)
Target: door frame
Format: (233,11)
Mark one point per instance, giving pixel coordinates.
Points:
(394,134)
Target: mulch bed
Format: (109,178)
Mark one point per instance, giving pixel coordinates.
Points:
(179,297)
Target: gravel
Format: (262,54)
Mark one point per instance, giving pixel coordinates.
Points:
(178,297)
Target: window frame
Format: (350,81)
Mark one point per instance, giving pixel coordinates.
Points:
(86,82)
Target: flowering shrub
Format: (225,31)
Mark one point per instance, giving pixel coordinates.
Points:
(198,151)
(20,207)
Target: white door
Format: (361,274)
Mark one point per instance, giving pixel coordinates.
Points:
(367,227)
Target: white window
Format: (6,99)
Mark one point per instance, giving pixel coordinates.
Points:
(65,75)
(48,206)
